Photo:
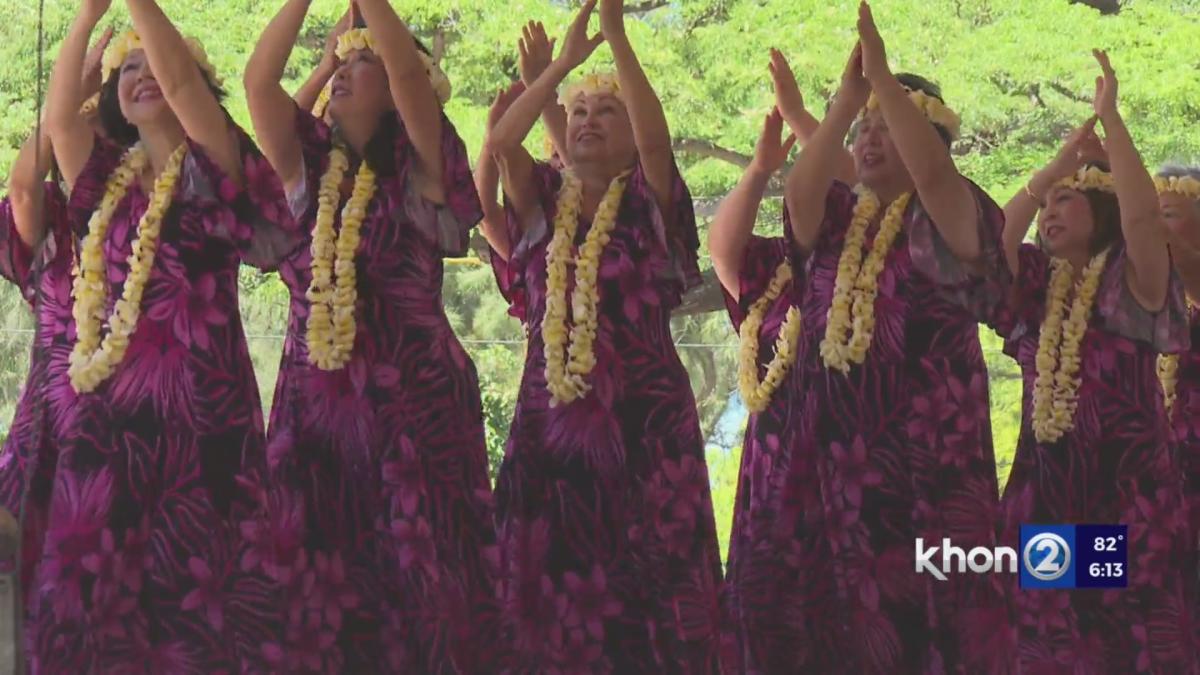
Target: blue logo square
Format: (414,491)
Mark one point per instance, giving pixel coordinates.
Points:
(1047,556)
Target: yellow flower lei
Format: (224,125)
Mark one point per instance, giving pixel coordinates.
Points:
(357,39)
(850,322)
(331,325)
(758,394)
(934,110)
(93,359)
(120,46)
(1168,374)
(1185,185)
(565,378)
(1056,389)
(592,84)
(1089,178)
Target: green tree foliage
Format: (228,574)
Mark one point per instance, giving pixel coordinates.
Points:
(1018,71)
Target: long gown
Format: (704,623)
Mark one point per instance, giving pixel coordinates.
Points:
(1185,434)
(767,444)
(898,448)
(143,565)
(30,418)
(394,558)
(608,546)
(1114,467)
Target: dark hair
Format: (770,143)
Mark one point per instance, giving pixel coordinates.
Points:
(915,82)
(1106,216)
(1180,170)
(112,120)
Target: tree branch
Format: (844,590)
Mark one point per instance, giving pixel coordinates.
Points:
(1067,93)
(1104,6)
(702,148)
(646,6)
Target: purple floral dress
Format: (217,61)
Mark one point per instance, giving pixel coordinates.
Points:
(1185,433)
(143,565)
(392,556)
(1115,466)
(29,420)
(821,567)
(608,547)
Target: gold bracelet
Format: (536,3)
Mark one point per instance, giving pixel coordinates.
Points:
(1031,195)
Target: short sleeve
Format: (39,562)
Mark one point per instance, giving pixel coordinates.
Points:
(1166,330)
(89,187)
(980,289)
(760,261)
(16,257)
(839,206)
(252,215)
(1024,307)
(675,229)
(448,225)
(512,274)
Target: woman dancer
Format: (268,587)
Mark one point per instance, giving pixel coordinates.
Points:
(893,437)
(608,546)
(536,51)
(1091,308)
(377,416)
(160,462)
(33,211)
(763,281)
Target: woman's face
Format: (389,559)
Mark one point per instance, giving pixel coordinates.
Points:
(876,159)
(1066,223)
(360,87)
(1181,216)
(599,130)
(138,92)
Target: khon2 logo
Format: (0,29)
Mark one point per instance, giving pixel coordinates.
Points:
(1048,557)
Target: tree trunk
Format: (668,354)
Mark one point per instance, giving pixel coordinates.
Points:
(1104,6)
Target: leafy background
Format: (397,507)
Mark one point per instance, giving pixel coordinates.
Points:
(1018,71)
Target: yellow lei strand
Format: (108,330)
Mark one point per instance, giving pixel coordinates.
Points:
(850,322)
(94,358)
(565,377)
(1168,376)
(758,394)
(331,324)
(1168,373)
(1056,389)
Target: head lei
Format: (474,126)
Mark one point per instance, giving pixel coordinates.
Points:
(1089,178)
(594,84)
(120,46)
(1185,185)
(357,39)
(934,110)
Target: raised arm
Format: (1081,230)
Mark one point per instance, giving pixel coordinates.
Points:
(650,132)
(734,223)
(944,193)
(1148,268)
(25,189)
(184,86)
(309,93)
(504,143)
(1021,209)
(790,102)
(487,177)
(271,111)
(816,166)
(535,52)
(69,132)
(412,92)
